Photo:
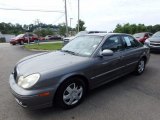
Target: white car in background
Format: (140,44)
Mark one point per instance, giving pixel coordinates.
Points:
(68,39)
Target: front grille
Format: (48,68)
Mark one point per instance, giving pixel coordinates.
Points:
(155,44)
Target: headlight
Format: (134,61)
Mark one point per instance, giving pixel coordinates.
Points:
(29,81)
(147,42)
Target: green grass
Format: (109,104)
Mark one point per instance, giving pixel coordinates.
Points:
(46,46)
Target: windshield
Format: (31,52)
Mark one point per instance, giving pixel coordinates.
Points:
(139,35)
(83,45)
(21,35)
(157,34)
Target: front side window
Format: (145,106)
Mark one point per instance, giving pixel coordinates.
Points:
(113,43)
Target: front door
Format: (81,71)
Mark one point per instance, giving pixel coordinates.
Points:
(108,67)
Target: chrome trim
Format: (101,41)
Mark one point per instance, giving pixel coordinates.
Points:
(20,103)
(132,63)
(154,46)
(113,70)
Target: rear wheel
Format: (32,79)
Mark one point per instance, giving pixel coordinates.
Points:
(140,67)
(70,93)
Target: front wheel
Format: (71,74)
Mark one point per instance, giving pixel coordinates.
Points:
(140,67)
(21,42)
(70,93)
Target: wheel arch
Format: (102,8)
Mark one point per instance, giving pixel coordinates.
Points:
(67,77)
(145,58)
(78,75)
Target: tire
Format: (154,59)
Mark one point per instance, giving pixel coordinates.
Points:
(21,42)
(71,93)
(140,67)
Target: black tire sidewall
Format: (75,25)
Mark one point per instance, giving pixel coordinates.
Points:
(59,95)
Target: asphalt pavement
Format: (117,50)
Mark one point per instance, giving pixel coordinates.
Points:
(128,98)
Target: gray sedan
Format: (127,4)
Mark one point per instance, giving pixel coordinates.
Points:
(154,42)
(64,77)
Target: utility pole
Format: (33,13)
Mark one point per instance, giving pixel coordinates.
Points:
(70,32)
(78,16)
(37,22)
(66,18)
(71,22)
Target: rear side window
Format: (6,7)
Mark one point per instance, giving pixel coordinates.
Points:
(130,42)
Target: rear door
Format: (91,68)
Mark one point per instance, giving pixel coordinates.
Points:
(132,52)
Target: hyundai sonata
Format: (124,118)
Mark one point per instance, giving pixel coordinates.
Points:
(64,77)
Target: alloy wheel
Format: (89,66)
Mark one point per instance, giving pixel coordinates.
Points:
(72,94)
(141,66)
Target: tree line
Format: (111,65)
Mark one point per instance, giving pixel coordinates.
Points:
(136,28)
(43,29)
(40,29)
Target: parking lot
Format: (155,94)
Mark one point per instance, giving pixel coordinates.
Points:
(128,98)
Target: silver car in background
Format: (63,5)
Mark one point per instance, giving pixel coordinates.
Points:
(154,42)
(63,77)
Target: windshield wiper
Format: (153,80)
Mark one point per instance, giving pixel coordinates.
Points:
(70,52)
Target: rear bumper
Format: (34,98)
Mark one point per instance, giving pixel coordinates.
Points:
(30,99)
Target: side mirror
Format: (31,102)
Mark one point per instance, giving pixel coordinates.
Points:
(107,52)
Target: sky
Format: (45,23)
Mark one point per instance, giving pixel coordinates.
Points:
(101,15)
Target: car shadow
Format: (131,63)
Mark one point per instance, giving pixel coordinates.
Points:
(155,52)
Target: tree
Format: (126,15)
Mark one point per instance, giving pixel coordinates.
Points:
(44,31)
(81,26)
(133,28)
(62,29)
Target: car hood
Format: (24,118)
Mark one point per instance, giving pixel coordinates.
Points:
(15,38)
(154,39)
(47,61)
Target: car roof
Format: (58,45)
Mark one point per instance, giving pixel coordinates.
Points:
(106,34)
(143,32)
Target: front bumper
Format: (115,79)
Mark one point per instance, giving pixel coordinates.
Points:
(154,48)
(13,42)
(30,98)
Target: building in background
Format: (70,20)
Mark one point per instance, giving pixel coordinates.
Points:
(6,37)
(1,35)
